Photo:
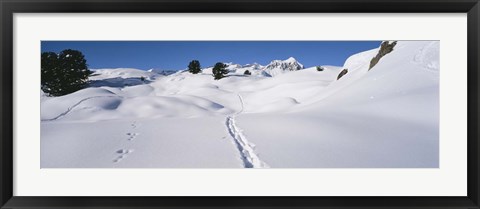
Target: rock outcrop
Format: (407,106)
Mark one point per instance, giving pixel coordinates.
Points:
(342,73)
(385,48)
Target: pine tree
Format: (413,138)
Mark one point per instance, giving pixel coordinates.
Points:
(194,67)
(247,72)
(219,71)
(320,68)
(64,73)
(50,73)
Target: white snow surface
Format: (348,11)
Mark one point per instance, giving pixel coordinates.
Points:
(386,117)
(102,74)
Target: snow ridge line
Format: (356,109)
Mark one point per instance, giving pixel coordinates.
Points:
(73,106)
(249,157)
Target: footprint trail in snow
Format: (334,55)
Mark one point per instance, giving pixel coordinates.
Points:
(123,153)
(132,135)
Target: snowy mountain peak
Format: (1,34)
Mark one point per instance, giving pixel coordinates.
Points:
(232,65)
(290,64)
(290,59)
(277,67)
(254,66)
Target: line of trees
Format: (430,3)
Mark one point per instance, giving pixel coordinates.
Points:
(219,71)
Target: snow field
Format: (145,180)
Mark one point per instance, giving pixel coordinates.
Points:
(386,117)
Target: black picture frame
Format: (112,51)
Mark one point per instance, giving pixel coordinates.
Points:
(9,7)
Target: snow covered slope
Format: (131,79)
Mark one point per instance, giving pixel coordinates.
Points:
(102,74)
(121,77)
(282,116)
(385,117)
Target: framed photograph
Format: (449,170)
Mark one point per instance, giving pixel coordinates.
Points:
(239,104)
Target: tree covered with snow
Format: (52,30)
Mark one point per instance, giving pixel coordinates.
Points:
(63,73)
(219,71)
(194,67)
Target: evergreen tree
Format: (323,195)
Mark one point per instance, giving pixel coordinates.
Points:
(194,67)
(320,68)
(219,71)
(247,72)
(64,73)
(50,79)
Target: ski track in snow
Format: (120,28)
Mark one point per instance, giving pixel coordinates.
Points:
(73,106)
(249,157)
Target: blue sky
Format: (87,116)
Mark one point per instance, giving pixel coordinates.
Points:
(175,55)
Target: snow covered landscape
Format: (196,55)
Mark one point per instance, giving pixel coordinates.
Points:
(283,115)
